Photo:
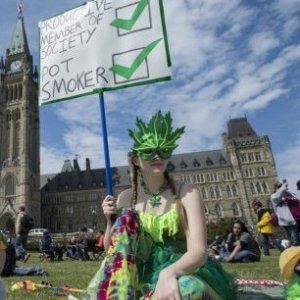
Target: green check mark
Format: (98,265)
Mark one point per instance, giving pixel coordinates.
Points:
(127,72)
(128,24)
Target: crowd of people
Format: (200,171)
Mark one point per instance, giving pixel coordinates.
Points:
(284,212)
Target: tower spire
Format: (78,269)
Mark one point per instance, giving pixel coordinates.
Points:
(19,42)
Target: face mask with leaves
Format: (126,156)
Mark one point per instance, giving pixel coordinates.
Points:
(155,139)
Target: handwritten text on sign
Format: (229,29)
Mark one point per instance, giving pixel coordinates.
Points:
(102,45)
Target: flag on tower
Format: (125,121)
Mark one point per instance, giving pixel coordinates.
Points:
(20,8)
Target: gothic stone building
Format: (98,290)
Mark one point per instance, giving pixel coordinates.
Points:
(229,180)
(19,131)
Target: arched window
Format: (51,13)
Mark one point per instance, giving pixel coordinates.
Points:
(217,191)
(10,94)
(228,190)
(265,188)
(258,188)
(20,91)
(194,179)
(7,142)
(202,177)
(204,194)
(196,163)
(209,162)
(16,146)
(9,186)
(251,172)
(258,171)
(183,165)
(236,210)
(222,160)
(253,191)
(15,92)
(247,172)
(234,190)
(211,192)
(219,210)
(170,167)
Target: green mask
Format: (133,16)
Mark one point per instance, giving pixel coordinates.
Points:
(155,139)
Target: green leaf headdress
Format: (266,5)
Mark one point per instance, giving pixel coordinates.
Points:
(156,138)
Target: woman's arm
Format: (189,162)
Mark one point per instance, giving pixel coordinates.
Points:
(110,207)
(196,234)
(276,197)
(236,249)
(107,235)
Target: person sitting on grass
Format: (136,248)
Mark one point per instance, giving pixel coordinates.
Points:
(47,244)
(82,243)
(11,268)
(100,241)
(241,246)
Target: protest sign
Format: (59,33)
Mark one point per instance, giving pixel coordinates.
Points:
(102,45)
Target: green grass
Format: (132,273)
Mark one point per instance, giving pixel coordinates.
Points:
(267,268)
(77,274)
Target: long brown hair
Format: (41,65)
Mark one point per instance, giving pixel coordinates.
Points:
(134,170)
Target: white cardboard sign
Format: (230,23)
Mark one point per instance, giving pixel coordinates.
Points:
(102,45)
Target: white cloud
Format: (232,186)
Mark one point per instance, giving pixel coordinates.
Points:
(262,42)
(89,144)
(290,27)
(287,7)
(264,99)
(84,111)
(52,159)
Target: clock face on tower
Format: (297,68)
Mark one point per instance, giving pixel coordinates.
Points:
(15,66)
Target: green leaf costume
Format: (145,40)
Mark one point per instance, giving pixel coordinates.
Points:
(156,138)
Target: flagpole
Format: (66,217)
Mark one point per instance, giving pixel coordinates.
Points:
(105,145)
(20,8)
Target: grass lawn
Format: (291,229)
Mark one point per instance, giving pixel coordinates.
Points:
(77,274)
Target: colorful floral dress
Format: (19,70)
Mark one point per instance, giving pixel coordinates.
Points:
(142,244)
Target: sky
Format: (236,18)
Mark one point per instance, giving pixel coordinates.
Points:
(229,59)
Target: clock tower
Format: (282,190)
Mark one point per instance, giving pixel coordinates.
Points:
(19,131)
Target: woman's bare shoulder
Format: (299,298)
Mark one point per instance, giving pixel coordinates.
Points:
(124,198)
(186,191)
(182,188)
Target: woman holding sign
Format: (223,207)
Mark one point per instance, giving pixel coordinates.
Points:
(156,248)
